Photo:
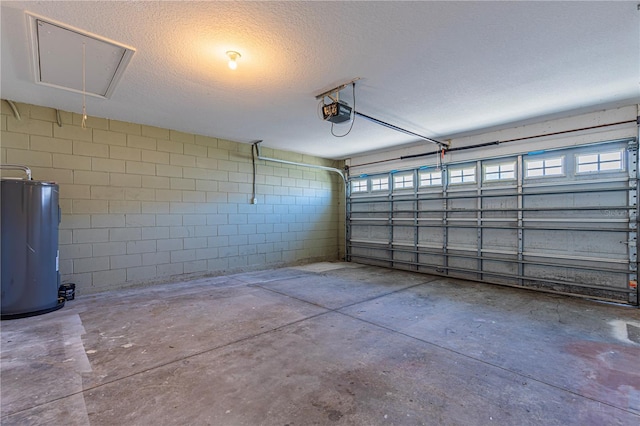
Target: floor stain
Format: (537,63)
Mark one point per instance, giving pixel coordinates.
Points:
(611,375)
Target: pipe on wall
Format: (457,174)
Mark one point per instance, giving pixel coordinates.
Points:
(14,109)
(294,163)
(25,169)
(256,146)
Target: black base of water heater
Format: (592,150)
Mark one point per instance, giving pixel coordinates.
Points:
(34,313)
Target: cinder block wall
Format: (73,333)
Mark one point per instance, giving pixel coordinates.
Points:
(144,204)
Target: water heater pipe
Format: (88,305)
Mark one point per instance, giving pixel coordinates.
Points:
(17,167)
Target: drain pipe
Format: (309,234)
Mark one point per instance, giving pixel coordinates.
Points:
(313,166)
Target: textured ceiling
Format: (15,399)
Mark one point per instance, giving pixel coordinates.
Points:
(436,68)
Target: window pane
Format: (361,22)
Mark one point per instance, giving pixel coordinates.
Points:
(612,165)
(467,175)
(379,184)
(605,161)
(403,181)
(593,167)
(542,168)
(500,171)
(583,159)
(358,185)
(430,179)
(553,171)
(611,156)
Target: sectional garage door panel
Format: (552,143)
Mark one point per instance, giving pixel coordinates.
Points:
(561,220)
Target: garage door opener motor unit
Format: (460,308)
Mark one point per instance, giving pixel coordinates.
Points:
(336,112)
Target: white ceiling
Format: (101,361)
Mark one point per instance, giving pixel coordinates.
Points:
(436,68)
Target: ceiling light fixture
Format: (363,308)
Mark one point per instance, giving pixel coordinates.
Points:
(233,57)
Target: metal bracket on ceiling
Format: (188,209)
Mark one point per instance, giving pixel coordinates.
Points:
(14,108)
(336,90)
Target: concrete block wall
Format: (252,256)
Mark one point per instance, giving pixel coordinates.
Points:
(144,204)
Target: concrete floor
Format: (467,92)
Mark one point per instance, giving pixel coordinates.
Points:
(327,343)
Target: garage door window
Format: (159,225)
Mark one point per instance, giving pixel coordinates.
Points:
(359,185)
(602,162)
(544,167)
(503,171)
(431,179)
(380,184)
(403,182)
(466,175)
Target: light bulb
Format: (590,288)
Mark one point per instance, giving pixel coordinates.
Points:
(233,56)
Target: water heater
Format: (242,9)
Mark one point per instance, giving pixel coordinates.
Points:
(30,257)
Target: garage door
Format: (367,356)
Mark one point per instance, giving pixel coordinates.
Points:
(557,220)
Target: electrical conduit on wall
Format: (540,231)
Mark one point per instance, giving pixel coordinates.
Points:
(255,153)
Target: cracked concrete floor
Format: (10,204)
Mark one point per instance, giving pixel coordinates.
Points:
(326,343)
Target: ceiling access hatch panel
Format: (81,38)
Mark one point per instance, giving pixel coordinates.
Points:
(62,54)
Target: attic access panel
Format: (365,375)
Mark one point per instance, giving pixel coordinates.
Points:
(58,58)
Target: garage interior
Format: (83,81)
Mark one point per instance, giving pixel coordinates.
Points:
(292,213)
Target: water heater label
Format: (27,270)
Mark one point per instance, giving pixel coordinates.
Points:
(57,260)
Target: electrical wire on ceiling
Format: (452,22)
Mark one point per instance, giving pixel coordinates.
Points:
(440,160)
(329,95)
(84,85)
(353,113)
(254,152)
